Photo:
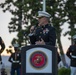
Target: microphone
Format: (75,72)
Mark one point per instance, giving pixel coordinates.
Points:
(34,27)
(31,35)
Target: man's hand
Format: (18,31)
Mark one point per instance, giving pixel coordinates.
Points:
(40,42)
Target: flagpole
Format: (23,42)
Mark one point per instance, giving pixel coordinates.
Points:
(44,5)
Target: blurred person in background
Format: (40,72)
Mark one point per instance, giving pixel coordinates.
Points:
(2,47)
(2,66)
(71,53)
(15,60)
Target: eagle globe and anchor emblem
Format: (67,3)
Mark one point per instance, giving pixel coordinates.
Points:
(38,59)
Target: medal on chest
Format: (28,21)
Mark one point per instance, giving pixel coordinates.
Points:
(45,31)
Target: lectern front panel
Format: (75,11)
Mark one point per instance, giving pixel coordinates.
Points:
(39,60)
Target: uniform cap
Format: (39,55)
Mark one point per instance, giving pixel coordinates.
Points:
(74,37)
(43,13)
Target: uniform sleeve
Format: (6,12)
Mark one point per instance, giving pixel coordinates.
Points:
(52,37)
(32,39)
(10,58)
(68,53)
(2,45)
(0,58)
(20,58)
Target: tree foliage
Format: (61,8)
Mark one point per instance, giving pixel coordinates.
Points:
(70,8)
(24,14)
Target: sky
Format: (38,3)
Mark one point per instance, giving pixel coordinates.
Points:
(7,37)
(4,32)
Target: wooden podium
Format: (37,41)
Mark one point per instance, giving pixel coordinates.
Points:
(39,60)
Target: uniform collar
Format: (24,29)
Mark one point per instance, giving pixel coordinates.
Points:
(45,26)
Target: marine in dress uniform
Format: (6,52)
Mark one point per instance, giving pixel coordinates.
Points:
(2,47)
(15,59)
(43,33)
(71,53)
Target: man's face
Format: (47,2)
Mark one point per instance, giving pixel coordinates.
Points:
(42,20)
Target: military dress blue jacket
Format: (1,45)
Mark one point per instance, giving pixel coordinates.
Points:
(47,33)
(71,53)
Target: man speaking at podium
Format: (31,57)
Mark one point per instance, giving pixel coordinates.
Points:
(43,33)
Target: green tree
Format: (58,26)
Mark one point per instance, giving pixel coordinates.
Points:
(24,14)
(58,13)
(70,9)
